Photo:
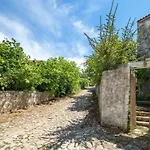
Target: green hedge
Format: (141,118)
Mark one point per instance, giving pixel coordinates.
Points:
(84,83)
(18,72)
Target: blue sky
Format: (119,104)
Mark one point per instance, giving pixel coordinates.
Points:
(51,28)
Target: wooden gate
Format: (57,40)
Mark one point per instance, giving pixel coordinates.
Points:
(132,101)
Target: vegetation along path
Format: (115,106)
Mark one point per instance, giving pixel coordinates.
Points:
(68,123)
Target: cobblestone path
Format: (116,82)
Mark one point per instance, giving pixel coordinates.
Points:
(69,124)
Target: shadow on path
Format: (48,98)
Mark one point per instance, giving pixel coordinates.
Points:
(87,130)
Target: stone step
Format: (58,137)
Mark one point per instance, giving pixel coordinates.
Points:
(142,113)
(140,108)
(143,118)
(142,123)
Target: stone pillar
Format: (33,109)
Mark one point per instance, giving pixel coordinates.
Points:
(114,97)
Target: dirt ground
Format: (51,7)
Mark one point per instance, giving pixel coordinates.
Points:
(70,123)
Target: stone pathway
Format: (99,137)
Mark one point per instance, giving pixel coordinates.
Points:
(67,124)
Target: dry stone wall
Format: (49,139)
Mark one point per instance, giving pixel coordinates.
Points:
(13,100)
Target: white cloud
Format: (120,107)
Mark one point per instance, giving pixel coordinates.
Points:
(43,50)
(79,48)
(52,17)
(35,50)
(95,5)
(14,29)
(82,28)
(2,36)
(92,8)
(54,3)
(78,60)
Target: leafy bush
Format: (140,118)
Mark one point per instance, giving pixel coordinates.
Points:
(12,63)
(17,72)
(143,74)
(142,84)
(84,83)
(59,76)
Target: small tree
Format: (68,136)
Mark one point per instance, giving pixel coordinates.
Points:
(110,50)
(12,59)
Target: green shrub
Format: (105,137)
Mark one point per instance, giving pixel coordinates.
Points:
(84,83)
(59,76)
(17,72)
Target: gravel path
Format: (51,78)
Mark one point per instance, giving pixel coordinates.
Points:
(69,124)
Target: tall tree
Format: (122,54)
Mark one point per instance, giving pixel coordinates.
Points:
(110,49)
